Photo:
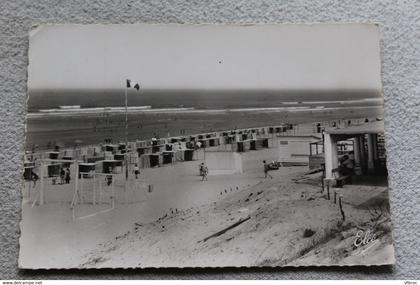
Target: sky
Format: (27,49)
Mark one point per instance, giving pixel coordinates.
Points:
(205,57)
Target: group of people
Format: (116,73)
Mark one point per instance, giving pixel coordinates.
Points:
(65,175)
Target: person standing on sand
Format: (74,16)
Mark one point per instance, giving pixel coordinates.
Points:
(67,175)
(346,166)
(62,175)
(266,169)
(203,171)
(34,177)
(136,171)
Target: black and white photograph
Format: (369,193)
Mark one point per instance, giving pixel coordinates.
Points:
(177,145)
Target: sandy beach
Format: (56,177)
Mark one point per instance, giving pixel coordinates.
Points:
(45,132)
(171,226)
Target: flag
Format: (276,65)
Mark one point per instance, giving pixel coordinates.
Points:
(136,86)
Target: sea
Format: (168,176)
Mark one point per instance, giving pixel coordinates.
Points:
(101,114)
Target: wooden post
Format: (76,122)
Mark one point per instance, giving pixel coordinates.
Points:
(113,193)
(30,185)
(341,208)
(81,187)
(125,193)
(100,193)
(76,179)
(94,190)
(357,156)
(371,152)
(42,194)
(335,197)
(328,191)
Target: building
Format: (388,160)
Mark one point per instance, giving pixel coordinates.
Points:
(368,148)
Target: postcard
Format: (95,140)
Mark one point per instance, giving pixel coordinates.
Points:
(205,146)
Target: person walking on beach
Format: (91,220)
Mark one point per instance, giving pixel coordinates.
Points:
(62,175)
(136,171)
(34,177)
(67,175)
(203,171)
(266,169)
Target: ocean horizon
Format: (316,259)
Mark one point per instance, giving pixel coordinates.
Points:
(198,99)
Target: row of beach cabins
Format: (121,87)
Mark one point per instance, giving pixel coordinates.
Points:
(154,152)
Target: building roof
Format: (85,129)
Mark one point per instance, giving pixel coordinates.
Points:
(366,128)
(314,137)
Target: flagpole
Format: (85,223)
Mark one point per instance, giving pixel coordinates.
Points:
(126,138)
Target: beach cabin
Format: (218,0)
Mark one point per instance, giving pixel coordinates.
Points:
(169,146)
(158,145)
(150,160)
(112,166)
(189,145)
(279,129)
(141,144)
(209,141)
(122,148)
(168,157)
(144,150)
(174,139)
(66,164)
(188,154)
(154,159)
(251,144)
(67,157)
(295,150)
(119,156)
(86,169)
(368,149)
(158,148)
(316,154)
(110,148)
(261,143)
(93,159)
(108,155)
(143,147)
(68,153)
(53,154)
(213,141)
(227,138)
(192,138)
(53,171)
